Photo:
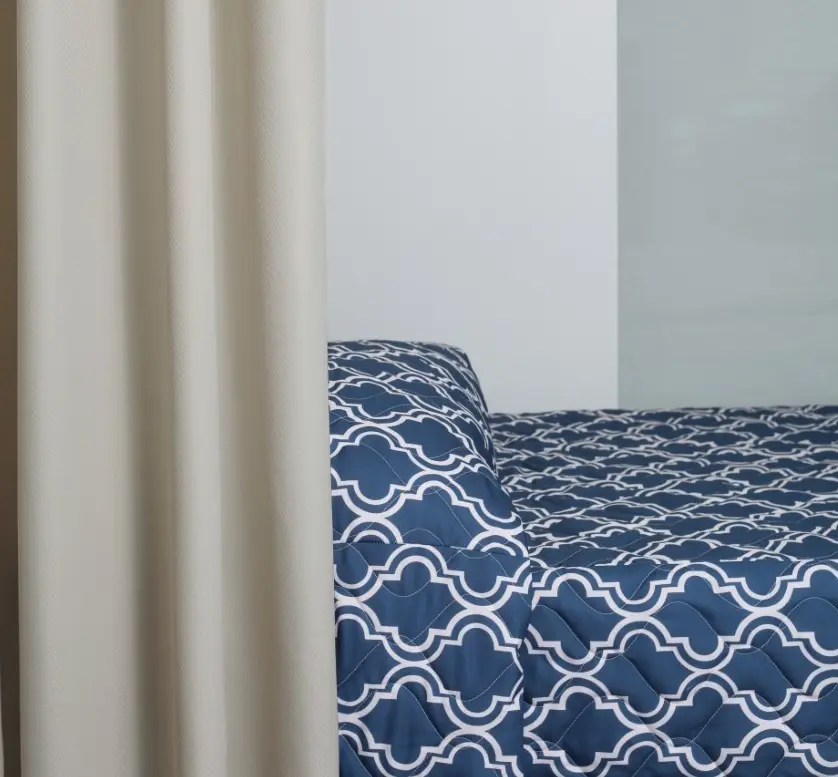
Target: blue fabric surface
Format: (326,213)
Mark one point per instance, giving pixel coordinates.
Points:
(578,593)
(431,569)
(685,590)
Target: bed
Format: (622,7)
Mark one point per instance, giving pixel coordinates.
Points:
(684,591)
(577,593)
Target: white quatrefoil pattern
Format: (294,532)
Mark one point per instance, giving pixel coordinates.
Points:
(685,590)
(622,593)
(431,568)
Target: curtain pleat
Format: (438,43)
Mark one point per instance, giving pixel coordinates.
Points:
(175,529)
(9,647)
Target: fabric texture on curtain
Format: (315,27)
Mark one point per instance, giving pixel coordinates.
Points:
(175,526)
(9,648)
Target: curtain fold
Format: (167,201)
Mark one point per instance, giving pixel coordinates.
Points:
(9,648)
(175,524)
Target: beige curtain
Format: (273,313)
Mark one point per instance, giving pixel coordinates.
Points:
(175,530)
(9,702)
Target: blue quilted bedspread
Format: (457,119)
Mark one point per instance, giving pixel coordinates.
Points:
(684,598)
(578,594)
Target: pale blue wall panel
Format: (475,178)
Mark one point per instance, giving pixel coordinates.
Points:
(728,185)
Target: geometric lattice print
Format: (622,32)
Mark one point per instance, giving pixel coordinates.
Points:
(431,569)
(577,593)
(685,590)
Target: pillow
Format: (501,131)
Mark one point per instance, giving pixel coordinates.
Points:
(411,450)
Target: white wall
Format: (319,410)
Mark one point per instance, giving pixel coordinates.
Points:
(472,187)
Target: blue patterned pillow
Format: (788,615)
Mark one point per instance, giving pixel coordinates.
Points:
(412,455)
